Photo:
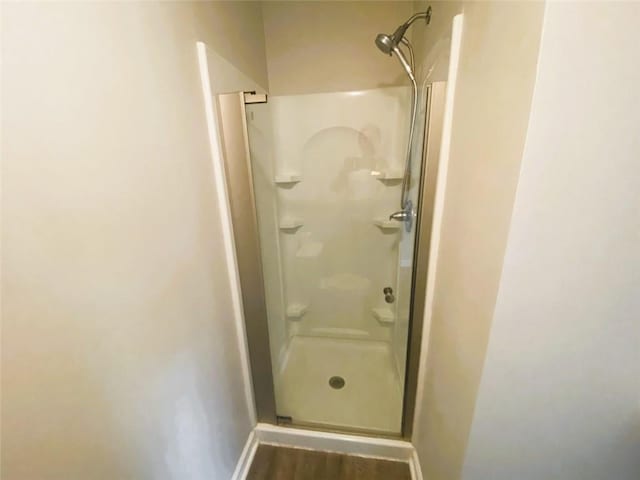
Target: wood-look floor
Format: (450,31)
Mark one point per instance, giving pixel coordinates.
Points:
(282,463)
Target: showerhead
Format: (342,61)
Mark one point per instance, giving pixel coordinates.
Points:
(388,43)
(385,43)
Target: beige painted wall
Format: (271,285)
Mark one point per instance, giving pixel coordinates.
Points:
(329,46)
(234,29)
(492,101)
(561,383)
(432,44)
(120,353)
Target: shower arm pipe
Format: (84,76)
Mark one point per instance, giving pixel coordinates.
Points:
(416,16)
(401,30)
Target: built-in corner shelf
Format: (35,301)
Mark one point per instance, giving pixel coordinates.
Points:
(386,224)
(384,315)
(388,175)
(287,179)
(310,250)
(296,311)
(290,224)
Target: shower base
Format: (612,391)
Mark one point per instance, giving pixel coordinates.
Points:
(370,400)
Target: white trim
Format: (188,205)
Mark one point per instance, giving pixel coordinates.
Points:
(335,442)
(414,466)
(210,106)
(445,145)
(382,448)
(246,457)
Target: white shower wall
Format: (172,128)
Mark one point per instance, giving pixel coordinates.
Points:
(327,173)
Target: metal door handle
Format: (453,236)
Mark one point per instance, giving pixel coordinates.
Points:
(405,216)
(400,216)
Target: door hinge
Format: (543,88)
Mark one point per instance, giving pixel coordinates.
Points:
(253,97)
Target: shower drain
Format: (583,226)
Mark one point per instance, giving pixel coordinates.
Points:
(336,382)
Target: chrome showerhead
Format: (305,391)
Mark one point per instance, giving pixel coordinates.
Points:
(385,43)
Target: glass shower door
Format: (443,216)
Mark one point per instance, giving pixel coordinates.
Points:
(327,171)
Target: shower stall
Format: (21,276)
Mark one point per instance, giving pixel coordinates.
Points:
(332,274)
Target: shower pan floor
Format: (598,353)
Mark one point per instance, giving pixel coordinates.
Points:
(370,398)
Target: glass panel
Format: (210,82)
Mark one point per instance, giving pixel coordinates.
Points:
(327,173)
(407,241)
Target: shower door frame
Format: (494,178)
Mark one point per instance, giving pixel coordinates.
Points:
(231,113)
(436,96)
(234,139)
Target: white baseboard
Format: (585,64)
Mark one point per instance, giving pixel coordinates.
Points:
(335,442)
(414,466)
(246,457)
